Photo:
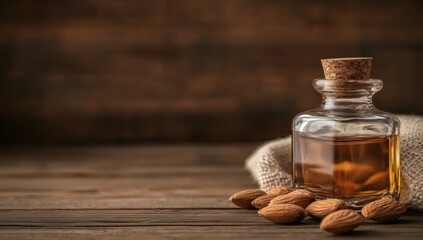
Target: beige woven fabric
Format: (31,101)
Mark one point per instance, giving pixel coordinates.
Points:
(270,164)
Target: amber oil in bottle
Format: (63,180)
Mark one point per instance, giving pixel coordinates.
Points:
(346,167)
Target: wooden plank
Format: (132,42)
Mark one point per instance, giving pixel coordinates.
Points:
(121,188)
(132,217)
(130,172)
(183,224)
(115,158)
(196,200)
(165,18)
(122,177)
(120,185)
(107,172)
(159,217)
(202,232)
(269,231)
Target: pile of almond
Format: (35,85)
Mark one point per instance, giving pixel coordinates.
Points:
(285,206)
(347,178)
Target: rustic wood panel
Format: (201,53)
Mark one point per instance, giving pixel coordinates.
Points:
(123,71)
(170,192)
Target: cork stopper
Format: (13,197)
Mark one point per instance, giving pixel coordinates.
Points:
(357,68)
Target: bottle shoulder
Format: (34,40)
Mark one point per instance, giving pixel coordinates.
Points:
(321,114)
(375,122)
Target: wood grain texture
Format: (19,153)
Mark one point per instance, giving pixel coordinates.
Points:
(266,231)
(122,71)
(146,192)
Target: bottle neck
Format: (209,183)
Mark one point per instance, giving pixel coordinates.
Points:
(360,103)
(348,95)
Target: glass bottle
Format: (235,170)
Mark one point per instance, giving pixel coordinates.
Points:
(346,148)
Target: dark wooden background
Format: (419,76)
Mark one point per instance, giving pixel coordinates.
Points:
(111,71)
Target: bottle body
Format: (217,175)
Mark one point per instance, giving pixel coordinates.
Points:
(346,148)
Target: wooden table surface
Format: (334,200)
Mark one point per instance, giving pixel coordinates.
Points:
(146,192)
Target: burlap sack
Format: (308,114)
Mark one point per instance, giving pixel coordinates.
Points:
(270,164)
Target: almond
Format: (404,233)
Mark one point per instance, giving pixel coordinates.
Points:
(263,201)
(384,210)
(322,208)
(317,175)
(244,198)
(346,188)
(378,181)
(351,171)
(279,190)
(341,221)
(283,213)
(303,192)
(295,197)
